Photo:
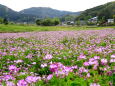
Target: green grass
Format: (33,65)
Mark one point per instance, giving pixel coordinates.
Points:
(28,28)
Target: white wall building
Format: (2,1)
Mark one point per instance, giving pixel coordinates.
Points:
(110,20)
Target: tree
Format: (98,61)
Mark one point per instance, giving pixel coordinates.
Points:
(102,21)
(114,18)
(5,21)
(38,21)
(56,21)
(78,23)
(1,20)
(47,22)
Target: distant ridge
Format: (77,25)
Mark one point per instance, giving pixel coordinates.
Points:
(43,12)
(31,14)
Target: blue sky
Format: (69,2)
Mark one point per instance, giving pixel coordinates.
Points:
(67,5)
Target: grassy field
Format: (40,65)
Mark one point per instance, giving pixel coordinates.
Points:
(28,28)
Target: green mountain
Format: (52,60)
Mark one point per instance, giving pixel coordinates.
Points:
(12,15)
(31,14)
(44,12)
(103,11)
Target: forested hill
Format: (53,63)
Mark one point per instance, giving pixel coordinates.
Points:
(43,12)
(12,15)
(103,11)
(31,14)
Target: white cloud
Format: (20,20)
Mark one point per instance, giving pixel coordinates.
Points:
(69,5)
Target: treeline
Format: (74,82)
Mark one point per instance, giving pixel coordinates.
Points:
(48,21)
(3,21)
(41,22)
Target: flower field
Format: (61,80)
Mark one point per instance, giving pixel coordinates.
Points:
(58,58)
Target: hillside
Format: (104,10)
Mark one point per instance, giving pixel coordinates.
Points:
(12,15)
(31,14)
(44,12)
(107,10)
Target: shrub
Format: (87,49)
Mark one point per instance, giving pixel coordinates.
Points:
(5,21)
(48,22)
(1,20)
(38,21)
(56,21)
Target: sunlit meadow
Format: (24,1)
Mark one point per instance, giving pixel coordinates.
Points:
(58,58)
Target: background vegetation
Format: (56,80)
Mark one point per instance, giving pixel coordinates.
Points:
(105,12)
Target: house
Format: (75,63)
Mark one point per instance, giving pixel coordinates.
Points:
(93,20)
(70,22)
(110,20)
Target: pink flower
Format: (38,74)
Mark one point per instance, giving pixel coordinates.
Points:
(8,77)
(99,50)
(13,68)
(92,61)
(109,73)
(88,75)
(95,67)
(55,66)
(61,70)
(9,83)
(43,65)
(112,56)
(86,63)
(49,77)
(48,57)
(74,67)
(31,79)
(104,69)
(18,61)
(61,73)
(96,57)
(112,60)
(103,61)
(68,69)
(3,53)
(12,49)
(22,83)
(29,56)
(94,84)
(81,57)
(82,69)
(33,63)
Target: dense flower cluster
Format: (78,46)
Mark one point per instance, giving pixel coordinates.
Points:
(48,56)
(61,58)
(61,70)
(13,68)
(94,84)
